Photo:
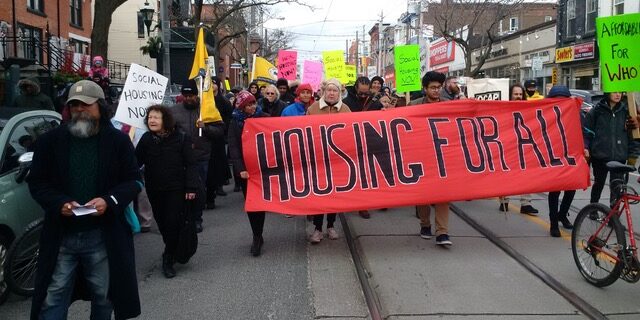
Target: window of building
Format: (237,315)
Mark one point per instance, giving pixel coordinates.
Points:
(140,25)
(548,18)
(30,42)
(571,18)
(76,12)
(592,13)
(513,24)
(79,46)
(618,7)
(36,5)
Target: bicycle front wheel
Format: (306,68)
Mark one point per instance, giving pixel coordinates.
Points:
(597,253)
(20,270)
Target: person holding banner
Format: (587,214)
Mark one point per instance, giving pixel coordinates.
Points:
(330,102)
(246,108)
(376,85)
(170,175)
(607,137)
(531,87)
(516,93)
(559,214)
(432,84)
(304,99)
(271,102)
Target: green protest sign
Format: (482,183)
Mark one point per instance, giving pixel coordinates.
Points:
(619,43)
(407,65)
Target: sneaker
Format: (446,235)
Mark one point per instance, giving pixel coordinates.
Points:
(316,237)
(332,233)
(528,209)
(364,214)
(443,240)
(288,216)
(504,207)
(425,233)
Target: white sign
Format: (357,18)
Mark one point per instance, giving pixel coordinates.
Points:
(372,71)
(142,89)
(488,89)
(536,64)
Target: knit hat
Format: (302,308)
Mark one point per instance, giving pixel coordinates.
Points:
(377,78)
(189,87)
(559,91)
(244,98)
(333,81)
(302,87)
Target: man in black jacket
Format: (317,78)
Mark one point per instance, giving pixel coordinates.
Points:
(187,116)
(85,165)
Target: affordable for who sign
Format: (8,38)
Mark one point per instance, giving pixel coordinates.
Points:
(619,52)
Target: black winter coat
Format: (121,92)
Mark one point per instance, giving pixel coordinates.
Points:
(235,145)
(118,177)
(186,121)
(605,133)
(169,162)
(273,108)
(357,104)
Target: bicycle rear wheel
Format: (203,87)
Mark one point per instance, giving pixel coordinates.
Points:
(20,270)
(595,258)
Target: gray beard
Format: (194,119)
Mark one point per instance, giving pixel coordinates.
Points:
(82,126)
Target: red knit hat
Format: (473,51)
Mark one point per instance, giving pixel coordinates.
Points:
(244,98)
(302,87)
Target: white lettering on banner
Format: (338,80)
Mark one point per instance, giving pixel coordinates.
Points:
(142,89)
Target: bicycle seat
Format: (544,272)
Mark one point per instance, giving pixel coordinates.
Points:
(617,167)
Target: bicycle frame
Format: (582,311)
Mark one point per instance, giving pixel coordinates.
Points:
(622,204)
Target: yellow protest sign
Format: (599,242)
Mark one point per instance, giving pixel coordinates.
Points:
(350,74)
(334,64)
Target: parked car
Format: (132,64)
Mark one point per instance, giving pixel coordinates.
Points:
(19,129)
(589,98)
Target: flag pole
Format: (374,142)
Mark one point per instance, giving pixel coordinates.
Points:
(200,85)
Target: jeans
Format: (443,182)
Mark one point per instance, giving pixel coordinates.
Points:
(88,250)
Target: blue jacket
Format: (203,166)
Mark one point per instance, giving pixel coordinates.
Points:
(294,109)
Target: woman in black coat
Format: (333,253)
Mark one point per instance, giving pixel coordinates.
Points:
(170,175)
(246,108)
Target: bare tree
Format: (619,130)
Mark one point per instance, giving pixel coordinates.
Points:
(228,20)
(101,23)
(471,24)
(276,40)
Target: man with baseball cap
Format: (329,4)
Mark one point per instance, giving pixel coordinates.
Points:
(85,165)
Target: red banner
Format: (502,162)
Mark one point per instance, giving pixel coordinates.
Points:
(457,150)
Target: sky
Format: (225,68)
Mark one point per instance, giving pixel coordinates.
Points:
(343,18)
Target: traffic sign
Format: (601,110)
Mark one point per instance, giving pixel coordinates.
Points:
(235,66)
(536,64)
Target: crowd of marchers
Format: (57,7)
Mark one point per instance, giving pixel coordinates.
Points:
(180,165)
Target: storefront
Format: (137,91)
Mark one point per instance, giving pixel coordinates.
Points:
(578,66)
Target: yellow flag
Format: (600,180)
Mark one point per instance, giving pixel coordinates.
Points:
(208,110)
(264,71)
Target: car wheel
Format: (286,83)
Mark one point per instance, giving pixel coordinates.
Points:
(4,248)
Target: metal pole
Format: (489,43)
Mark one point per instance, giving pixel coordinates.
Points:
(166,40)
(15,29)
(357,49)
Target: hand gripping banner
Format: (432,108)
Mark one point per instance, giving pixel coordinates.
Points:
(432,153)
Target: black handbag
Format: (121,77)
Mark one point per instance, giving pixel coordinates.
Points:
(188,237)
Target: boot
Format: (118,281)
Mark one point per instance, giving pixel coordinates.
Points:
(220,191)
(565,222)
(256,247)
(167,266)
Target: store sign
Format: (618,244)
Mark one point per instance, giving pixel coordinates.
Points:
(554,76)
(442,52)
(576,52)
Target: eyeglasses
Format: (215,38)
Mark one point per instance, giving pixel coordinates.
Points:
(434,88)
(270,93)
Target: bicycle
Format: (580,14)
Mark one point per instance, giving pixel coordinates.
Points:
(599,241)
(22,259)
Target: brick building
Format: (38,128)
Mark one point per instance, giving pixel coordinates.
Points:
(67,24)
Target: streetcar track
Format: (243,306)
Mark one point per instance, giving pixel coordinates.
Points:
(585,307)
(370,297)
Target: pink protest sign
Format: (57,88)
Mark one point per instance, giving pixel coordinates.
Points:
(312,74)
(287,64)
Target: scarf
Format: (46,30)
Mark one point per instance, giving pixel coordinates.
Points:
(240,116)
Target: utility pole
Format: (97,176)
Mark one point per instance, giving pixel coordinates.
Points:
(166,40)
(380,63)
(357,48)
(362,65)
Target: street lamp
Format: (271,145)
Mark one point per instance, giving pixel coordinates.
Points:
(147,15)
